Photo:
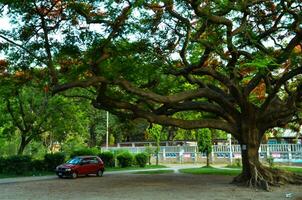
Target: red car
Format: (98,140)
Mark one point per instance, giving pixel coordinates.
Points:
(81,165)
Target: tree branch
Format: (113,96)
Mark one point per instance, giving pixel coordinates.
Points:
(107,102)
(94,81)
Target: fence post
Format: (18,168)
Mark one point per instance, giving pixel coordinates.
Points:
(267,151)
(289,149)
(195,154)
(164,154)
(212,155)
(181,153)
(230,145)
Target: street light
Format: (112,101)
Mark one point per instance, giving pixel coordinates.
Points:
(107,129)
(229,136)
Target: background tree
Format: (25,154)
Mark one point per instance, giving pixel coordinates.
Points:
(32,113)
(234,65)
(204,143)
(156,133)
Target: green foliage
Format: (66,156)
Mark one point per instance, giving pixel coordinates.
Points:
(17,164)
(186,65)
(270,161)
(237,164)
(134,130)
(259,62)
(39,165)
(125,159)
(141,159)
(2,164)
(85,152)
(156,134)
(108,158)
(204,141)
(149,151)
(34,115)
(52,160)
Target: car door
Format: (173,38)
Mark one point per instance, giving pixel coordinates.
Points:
(94,164)
(84,166)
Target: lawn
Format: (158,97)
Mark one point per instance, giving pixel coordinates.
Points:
(212,170)
(287,168)
(155,172)
(26,174)
(53,173)
(291,169)
(134,168)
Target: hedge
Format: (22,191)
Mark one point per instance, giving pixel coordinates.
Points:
(141,159)
(17,164)
(52,160)
(108,158)
(125,159)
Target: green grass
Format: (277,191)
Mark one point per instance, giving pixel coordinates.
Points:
(233,166)
(135,167)
(211,170)
(155,172)
(26,174)
(53,173)
(292,169)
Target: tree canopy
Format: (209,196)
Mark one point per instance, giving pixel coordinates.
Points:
(236,65)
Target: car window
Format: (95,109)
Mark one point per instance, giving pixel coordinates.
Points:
(86,161)
(74,161)
(93,160)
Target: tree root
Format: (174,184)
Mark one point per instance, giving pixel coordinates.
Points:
(263,177)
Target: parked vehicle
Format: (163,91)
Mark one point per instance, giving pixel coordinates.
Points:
(81,165)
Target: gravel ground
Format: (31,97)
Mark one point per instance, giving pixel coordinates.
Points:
(137,186)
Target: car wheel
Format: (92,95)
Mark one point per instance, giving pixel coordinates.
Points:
(100,173)
(74,175)
(60,176)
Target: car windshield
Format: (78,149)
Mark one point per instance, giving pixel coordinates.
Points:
(74,161)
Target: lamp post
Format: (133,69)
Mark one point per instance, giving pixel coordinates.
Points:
(107,129)
(229,136)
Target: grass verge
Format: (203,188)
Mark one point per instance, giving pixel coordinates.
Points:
(26,174)
(211,170)
(287,168)
(155,172)
(134,168)
(53,173)
(292,169)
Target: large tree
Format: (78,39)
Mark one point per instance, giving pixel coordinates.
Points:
(30,112)
(236,65)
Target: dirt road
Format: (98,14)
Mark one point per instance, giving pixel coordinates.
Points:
(136,186)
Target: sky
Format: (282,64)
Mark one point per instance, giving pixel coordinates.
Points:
(4,24)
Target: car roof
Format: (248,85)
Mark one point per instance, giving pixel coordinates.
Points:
(86,156)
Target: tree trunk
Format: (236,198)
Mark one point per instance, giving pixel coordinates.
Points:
(22,146)
(256,174)
(92,133)
(208,159)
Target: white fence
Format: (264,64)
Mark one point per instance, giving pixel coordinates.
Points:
(280,152)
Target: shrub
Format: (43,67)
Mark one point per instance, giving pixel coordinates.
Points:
(19,164)
(108,158)
(52,160)
(38,165)
(2,164)
(141,159)
(84,152)
(270,161)
(125,159)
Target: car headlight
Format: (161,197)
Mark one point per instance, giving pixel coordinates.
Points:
(68,170)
